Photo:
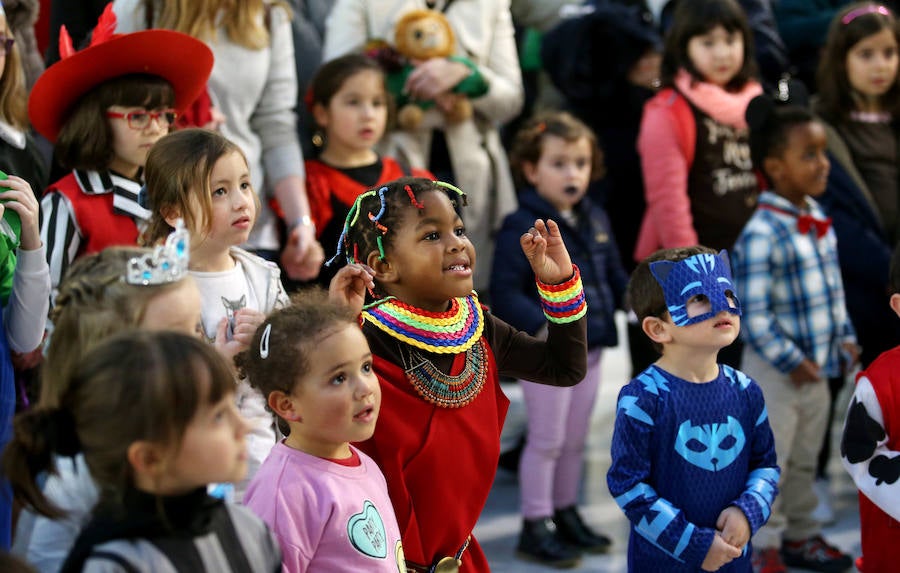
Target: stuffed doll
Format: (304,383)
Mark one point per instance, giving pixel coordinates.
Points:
(421,35)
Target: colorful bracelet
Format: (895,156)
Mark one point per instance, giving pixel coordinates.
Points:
(564,302)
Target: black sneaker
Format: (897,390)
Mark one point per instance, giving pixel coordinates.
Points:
(815,554)
(540,543)
(574,531)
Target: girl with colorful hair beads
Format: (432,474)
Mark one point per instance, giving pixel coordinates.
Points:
(326,501)
(103,108)
(202,177)
(439,354)
(349,103)
(153,445)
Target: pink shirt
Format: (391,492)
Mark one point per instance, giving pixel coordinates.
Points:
(327,517)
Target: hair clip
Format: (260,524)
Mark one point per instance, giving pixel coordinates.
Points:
(264,342)
(863,10)
(166,264)
(541,127)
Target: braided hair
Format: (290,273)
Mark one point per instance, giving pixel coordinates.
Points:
(93,303)
(369,224)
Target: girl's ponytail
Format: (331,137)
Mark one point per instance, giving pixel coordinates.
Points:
(38,435)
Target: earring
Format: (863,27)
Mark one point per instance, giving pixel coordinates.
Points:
(318,139)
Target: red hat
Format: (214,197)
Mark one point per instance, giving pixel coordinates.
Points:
(181,60)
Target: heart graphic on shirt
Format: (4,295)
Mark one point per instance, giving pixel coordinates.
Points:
(366,532)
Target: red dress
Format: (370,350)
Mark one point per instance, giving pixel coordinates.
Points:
(439,462)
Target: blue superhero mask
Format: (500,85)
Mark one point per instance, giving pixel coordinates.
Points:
(703,274)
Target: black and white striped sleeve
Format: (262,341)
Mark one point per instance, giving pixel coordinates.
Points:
(60,234)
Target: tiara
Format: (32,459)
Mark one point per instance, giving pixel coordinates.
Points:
(167,263)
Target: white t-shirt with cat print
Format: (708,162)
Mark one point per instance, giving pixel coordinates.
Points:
(221,294)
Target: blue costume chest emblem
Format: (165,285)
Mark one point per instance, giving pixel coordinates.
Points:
(711,447)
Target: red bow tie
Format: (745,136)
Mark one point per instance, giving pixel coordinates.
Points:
(807,222)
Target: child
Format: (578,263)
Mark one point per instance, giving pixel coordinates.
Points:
(152,445)
(203,177)
(796,326)
(98,298)
(19,152)
(555,157)
(349,102)
(859,101)
(693,460)
(868,450)
(699,182)
(438,355)
(326,501)
(104,107)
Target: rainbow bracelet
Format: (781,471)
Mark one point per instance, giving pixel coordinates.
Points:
(564,302)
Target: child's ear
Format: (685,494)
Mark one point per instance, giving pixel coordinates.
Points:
(895,303)
(147,459)
(773,167)
(284,406)
(655,329)
(170,215)
(320,115)
(528,170)
(384,270)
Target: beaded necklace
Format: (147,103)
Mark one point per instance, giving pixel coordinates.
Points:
(450,332)
(444,390)
(455,331)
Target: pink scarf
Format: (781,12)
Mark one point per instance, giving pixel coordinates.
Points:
(723,106)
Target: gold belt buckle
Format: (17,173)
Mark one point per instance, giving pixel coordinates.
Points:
(447,565)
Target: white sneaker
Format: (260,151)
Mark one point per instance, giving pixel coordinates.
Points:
(823,513)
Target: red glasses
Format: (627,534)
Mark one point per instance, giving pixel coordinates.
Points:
(140,119)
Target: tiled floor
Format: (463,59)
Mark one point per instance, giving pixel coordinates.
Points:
(498,528)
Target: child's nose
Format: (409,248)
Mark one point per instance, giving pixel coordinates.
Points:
(241,424)
(365,386)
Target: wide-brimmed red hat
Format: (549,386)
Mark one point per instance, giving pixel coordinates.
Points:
(183,61)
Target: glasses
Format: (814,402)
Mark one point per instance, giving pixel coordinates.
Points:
(6,44)
(140,119)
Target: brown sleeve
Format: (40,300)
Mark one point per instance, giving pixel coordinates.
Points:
(561,360)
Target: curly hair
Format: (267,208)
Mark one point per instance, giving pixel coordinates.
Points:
(287,340)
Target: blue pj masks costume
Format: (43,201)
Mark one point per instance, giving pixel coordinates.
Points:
(682,452)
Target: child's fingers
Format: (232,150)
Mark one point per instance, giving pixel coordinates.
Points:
(222,331)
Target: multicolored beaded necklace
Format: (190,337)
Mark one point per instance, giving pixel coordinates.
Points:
(450,332)
(457,330)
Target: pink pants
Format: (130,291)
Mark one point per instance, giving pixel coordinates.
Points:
(558,423)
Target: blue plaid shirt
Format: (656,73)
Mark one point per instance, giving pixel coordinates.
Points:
(789,285)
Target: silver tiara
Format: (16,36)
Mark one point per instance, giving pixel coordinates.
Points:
(167,263)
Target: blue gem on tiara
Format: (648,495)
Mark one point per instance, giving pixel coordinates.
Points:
(167,263)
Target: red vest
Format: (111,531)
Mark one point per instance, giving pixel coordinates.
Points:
(99,225)
(880,532)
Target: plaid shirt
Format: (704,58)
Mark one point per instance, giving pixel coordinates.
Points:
(789,285)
